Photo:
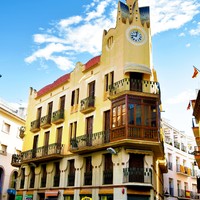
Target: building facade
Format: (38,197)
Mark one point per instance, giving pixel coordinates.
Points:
(195,104)
(181,180)
(95,133)
(11,121)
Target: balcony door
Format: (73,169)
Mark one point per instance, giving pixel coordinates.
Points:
(50,107)
(89,130)
(91,93)
(136,168)
(46,142)
(106,126)
(136,81)
(35,145)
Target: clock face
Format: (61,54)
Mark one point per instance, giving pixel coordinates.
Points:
(136,35)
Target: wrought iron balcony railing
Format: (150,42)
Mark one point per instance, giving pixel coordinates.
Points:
(137,175)
(53,150)
(45,121)
(58,116)
(88,104)
(16,160)
(35,125)
(134,85)
(98,138)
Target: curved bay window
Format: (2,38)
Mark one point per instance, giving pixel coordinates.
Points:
(135,118)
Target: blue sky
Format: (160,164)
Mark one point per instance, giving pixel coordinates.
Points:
(42,40)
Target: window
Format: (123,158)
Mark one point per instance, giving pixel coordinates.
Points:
(62,102)
(91,89)
(71,175)
(142,112)
(32,177)
(75,97)
(108,169)
(118,115)
(13,179)
(3,149)
(89,130)
(6,127)
(43,176)
(88,171)
(56,175)
(22,178)
(59,135)
(171,187)
(46,142)
(108,80)
(169,161)
(35,145)
(72,130)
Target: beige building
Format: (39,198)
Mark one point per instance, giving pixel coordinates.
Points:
(181,180)
(11,120)
(95,133)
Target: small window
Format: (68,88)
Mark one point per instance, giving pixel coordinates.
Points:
(3,149)
(6,127)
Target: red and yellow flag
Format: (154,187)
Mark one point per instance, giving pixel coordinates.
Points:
(196,71)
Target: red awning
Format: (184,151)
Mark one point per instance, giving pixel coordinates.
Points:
(52,193)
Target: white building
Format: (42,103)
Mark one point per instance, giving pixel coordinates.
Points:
(180,181)
(10,143)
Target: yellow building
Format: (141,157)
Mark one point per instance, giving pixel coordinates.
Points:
(95,132)
(196,130)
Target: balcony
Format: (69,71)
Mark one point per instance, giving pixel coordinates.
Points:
(177,144)
(16,160)
(186,194)
(135,132)
(50,152)
(195,128)
(35,126)
(183,147)
(137,176)
(168,140)
(90,142)
(126,85)
(45,121)
(180,169)
(58,116)
(88,104)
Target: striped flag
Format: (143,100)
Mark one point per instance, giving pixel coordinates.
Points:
(196,71)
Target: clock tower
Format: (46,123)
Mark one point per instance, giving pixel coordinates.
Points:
(128,45)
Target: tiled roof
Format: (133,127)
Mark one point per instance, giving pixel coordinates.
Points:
(53,85)
(66,77)
(92,62)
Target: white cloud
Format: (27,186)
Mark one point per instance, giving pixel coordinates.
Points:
(182,97)
(188,45)
(181,34)
(83,33)
(195,31)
